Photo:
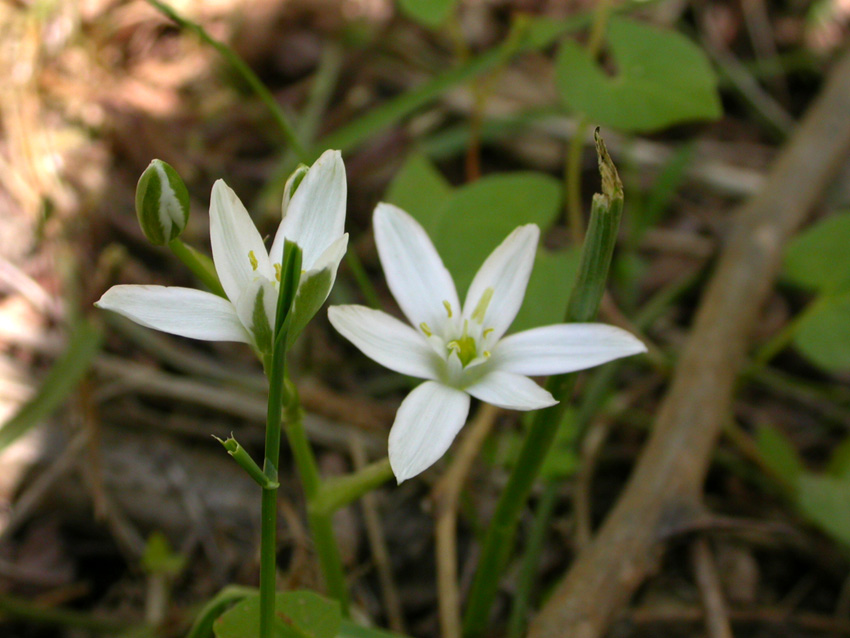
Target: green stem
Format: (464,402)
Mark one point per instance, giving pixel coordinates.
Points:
(572,182)
(572,166)
(367,289)
(338,492)
(774,346)
(244,71)
(276,372)
(321,524)
(584,302)
(200,265)
(534,547)
(20,608)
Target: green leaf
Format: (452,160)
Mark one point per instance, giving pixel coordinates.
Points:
(548,289)
(825,501)
(480,215)
(428,13)
(779,453)
(298,614)
(421,190)
(823,335)
(818,258)
(83,345)
(662,79)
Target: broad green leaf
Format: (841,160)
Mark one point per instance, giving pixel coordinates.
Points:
(823,334)
(818,258)
(825,500)
(428,13)
(548,289)
(421,190)
(83,345)
(779,453)
(298,614)
(661,79)
(480,215)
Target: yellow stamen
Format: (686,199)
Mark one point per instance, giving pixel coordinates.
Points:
(448,307)
(424,328)
(253,259)
(277,268)
(486,332)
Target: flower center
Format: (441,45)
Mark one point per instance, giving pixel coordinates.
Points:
(465,346)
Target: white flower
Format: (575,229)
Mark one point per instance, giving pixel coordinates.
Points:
(460,351)
(313,218)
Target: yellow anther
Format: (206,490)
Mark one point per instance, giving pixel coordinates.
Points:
(486,354)
(481,308)
(253,259)
(486,332)
(277,268)
(424,328)
(448,307)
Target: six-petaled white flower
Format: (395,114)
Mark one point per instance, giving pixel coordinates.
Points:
(313,218)
(460,351)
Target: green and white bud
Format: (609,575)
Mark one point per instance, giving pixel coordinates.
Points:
(292,185)
(162,203)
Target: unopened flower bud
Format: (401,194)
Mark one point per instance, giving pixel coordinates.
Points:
(162,203)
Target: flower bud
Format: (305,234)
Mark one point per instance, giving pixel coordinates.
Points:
(292,185)
(162,203)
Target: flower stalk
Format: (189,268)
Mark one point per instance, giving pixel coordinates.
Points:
(290,274)
(596,256)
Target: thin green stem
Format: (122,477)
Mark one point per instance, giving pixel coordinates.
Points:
(572,182)
(200,265)
(596,256)
(20,608)
(336,493)
(534,547)
(572,166)
(367,289)
(244,71)
(321,524)
(276,372)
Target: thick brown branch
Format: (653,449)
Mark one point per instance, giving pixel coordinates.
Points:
(667,482)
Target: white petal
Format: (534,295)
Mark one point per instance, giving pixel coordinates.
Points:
(179,311)
(234,239)
(385,339)
(506,272)
(415,273)
(331,257)
(427,422)
(315,216)
(511,391)
(257,309)
(564,347)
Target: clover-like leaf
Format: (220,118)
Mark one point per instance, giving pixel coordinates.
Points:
(661,79)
